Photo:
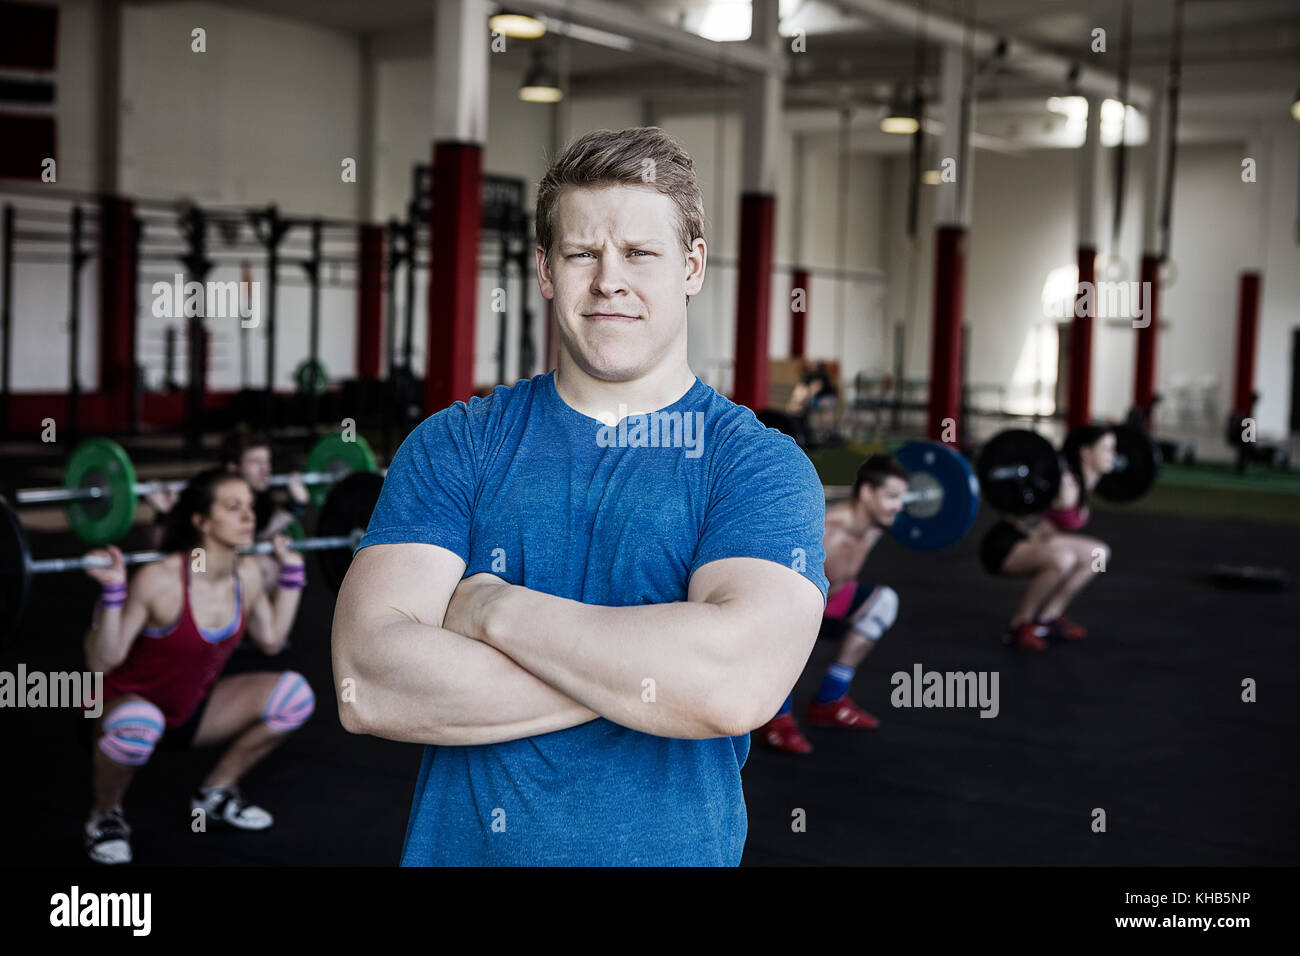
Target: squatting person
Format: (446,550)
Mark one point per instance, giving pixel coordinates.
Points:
(1045,548)
(162,643)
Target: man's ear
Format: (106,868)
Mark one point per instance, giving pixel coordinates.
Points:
(544,280)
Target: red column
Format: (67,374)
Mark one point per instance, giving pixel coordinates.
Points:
(753,299)
(799,320)
(1144,365)
(370,300)
(1247,336)
(945,337)
(454,222)
(1079,409)
(117,275)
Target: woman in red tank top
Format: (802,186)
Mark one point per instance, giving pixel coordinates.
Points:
(162,644)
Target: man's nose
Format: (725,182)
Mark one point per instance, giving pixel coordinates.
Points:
(610,278)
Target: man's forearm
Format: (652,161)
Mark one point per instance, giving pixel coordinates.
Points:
(424,684)
(658,668)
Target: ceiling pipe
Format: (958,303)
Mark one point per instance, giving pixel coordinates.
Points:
(656,37)
(1015,54)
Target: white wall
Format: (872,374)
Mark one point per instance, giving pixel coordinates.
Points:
(268,112)
(40,294)
(1024,225)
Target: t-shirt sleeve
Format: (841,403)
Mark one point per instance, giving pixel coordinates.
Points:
(428,491)
(767,502)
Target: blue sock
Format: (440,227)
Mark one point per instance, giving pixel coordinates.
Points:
(835,683)
(787,706)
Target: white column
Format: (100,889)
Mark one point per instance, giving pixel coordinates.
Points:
(953,205)
(761,108)
(1089,170)
(460,70)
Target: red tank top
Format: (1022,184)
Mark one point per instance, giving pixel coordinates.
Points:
(1067,519)
(175,669)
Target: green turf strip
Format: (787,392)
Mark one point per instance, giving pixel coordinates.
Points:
(1201,491)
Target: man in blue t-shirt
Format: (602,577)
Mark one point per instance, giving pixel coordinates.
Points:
(583,591)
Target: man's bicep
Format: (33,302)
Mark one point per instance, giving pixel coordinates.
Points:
(779,605)
(414,580)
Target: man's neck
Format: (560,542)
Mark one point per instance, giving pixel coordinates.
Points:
(610,402)
(861,523)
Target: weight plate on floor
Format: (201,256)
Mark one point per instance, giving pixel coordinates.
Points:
(933,523)
(101,463)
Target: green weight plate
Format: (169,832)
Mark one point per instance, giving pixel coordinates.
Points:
(295,530)
(311,377)
(101,463)
(339,457)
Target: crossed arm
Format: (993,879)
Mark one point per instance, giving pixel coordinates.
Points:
(435,659)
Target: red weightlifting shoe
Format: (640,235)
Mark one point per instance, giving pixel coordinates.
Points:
(1062,628)
(782,733)
(1028,636)
(840,713)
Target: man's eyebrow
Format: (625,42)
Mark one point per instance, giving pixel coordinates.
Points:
(640,243)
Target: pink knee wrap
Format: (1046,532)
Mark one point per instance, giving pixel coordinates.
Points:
(290,704)
(131,732)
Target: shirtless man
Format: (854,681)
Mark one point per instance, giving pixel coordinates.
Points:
(862,611)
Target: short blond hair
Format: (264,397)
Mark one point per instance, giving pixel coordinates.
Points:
(638,156)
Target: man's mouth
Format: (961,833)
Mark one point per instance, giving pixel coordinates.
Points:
(611,317)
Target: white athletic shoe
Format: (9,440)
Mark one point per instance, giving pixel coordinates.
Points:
(108,838)
(225,805)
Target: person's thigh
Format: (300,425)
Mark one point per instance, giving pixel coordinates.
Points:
(1035,554)
(1087,549)
(236,704)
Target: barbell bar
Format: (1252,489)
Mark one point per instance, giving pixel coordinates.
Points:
(41,496)
(345,512)
(100,491)
(58,565)
(1020,471)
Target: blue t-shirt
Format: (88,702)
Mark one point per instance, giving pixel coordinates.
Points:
(523,486)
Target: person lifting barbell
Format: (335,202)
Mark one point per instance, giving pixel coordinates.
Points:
(927,496)
(162,643)
(859,611)
(248,454)
(1042,542)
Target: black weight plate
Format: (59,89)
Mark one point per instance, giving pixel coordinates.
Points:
(15,579)
(346,509)
(1024,494)
(1137,462)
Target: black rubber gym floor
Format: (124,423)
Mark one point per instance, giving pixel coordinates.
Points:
(1143,719)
